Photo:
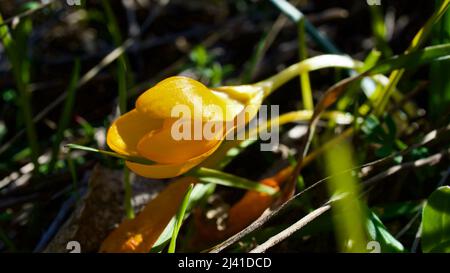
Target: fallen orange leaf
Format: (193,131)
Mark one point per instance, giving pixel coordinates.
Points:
(240,215)
(139,234)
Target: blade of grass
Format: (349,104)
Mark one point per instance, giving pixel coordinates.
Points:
(122,97)
(305,84)
(263,45)
(122,84)
(114,30)
(251,66)
(179,219)
(229,180)
(379,30)
(21,72)
(198,194)
(412,59)
(135,159)
(165,237)
(348,214)
(66,114)
(294,14)
(122,65)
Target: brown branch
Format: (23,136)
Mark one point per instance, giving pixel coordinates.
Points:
(274,240)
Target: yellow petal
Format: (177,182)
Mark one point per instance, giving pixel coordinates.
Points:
(169,170)
(162,146)
(160,100)
(249,96)
(139,234)
(125,132)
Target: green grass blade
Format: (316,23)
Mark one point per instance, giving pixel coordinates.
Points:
(179,219)
(66,114)
(111,23)
(122,84)
(348,211)
(165,237)
(229,180)
(134,159)
(379,30)
(21,71)
(295,15)
(198,194)
(248,73)
(413,59)
(114,30)
(122,98)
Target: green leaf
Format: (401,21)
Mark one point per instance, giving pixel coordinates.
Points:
(226,179)
(179,219)
(200,192)
(200,56)
(164,238)
(378,232)
(66,114)
(436,222)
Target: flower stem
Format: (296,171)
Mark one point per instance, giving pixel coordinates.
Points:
(128,194)
(319,62)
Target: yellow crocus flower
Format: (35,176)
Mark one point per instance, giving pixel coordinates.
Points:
(147,130)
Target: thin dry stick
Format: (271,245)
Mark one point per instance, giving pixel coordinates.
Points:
(274,240)
(428,161)
(29,12)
